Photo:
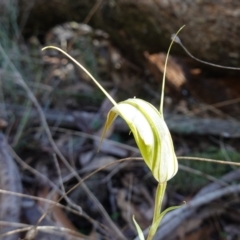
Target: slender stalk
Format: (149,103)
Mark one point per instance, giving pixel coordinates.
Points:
(177,40)
(157,209)
(86,71)
(165,69)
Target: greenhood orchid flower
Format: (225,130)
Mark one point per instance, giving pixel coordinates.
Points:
(151,135)
(152,138)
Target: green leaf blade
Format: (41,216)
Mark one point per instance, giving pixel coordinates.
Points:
(139,230)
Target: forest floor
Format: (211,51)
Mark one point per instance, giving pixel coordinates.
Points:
(53,127)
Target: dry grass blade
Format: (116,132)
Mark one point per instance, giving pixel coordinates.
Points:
(60,231)
(93,11)
(32,228)
(209,160)
(53,208)
(55,188)
(177,40)
(44,178)
(21,195)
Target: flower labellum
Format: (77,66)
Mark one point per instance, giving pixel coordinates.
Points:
(151,135)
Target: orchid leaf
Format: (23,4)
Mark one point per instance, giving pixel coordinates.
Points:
(139,230)
(156,224)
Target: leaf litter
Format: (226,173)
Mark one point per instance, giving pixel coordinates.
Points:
(72,104)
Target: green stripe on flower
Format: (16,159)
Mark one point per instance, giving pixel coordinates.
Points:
(151,135)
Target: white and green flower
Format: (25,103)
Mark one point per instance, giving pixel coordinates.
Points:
(151,135)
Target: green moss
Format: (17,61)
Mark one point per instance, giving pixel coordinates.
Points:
(185,181)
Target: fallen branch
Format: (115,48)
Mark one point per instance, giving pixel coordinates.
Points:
(177,123)
(10,180)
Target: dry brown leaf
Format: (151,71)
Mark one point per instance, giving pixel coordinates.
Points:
(202,233)
(63,221)
(175,74)
(60,217)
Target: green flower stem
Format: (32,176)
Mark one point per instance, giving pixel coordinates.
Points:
(165,69)
(157,209)
(86,71)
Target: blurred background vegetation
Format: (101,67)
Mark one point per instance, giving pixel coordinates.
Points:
(123,44)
